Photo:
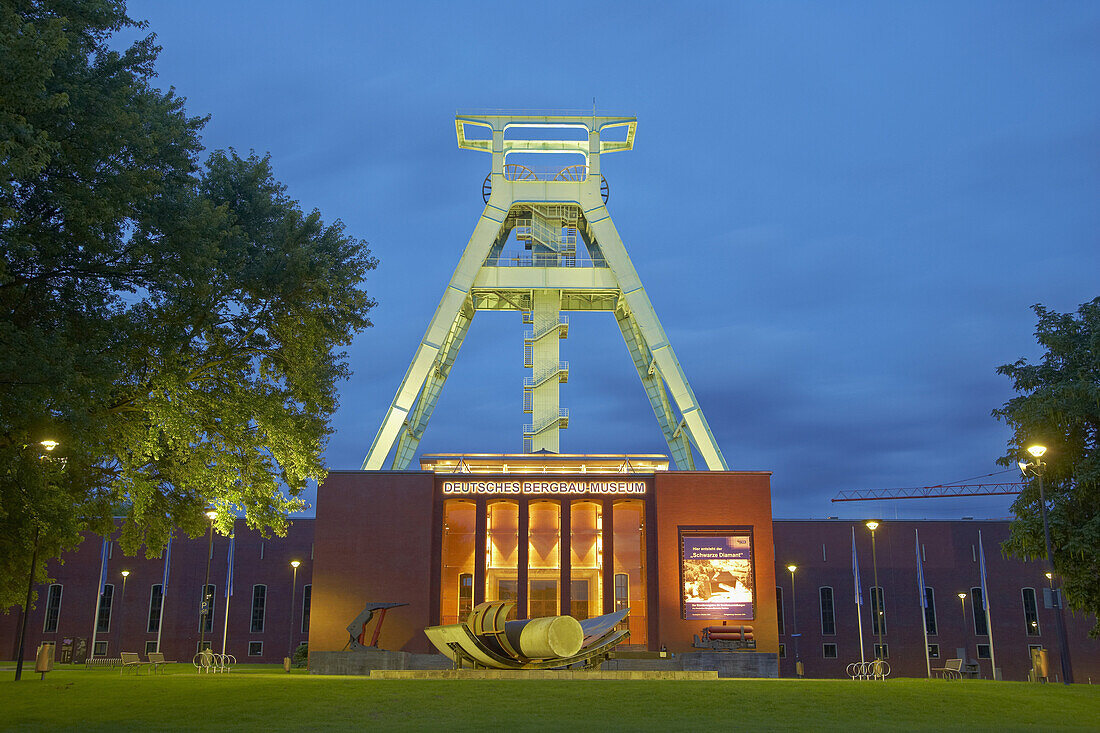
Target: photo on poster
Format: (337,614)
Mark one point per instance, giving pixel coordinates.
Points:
(716,573)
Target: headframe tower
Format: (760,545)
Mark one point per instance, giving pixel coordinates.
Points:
(545,213)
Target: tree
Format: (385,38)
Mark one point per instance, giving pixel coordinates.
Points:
(175,323)
(1059,407)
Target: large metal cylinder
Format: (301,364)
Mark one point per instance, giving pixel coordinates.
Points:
(546,638)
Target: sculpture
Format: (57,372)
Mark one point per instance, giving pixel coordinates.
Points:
(487,640)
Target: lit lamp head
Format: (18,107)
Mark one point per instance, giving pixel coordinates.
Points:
(211,515)
(871,524)
(962,596)
(792,568)
(48,444)
(295,563)
(1037,451)
(1049,575)
(126,573)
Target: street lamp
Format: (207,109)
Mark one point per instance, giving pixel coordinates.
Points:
(122,608)
(794,621)
(872,525)
(962,601)
(48,445)
(293,591)
(1035,468)
(204,608)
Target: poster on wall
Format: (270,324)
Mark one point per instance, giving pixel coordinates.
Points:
(716,573)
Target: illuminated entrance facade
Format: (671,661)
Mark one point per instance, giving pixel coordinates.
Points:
(584,540)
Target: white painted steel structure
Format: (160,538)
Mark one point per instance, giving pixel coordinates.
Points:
(546,214)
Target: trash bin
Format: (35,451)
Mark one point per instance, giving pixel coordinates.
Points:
(43,660)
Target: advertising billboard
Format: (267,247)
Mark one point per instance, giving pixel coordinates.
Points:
(716,575)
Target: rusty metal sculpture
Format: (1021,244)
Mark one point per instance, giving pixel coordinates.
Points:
(486,640)
(357,629)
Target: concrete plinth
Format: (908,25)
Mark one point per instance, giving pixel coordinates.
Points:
(364,661)
(537,674)
(725,664)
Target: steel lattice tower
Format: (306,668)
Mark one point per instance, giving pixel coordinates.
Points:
(546,213)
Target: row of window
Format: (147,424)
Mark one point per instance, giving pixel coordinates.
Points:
(207,601)
(882,651)
(878,611)
(255,648)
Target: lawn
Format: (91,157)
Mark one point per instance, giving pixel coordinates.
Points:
(266,698)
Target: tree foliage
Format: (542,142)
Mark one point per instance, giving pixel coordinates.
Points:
(1059,407)
(176,323)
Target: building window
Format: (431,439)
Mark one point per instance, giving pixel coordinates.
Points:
(828,618)
(933,651)
(255,648)
(307,600)
(100,649)
(782,651)
(929,612)
(53,609)
(585,559)
(543,558)
(828,651)
(882,651)
(150,647)
(156,600)
(457,581)
(465,595)
(502,552)
(1031,612)
(878,611)
(205,645)
(206,609)
(779,608)
(628,527)
(977,608)
(103,624)
(259,603)
(622,591)
(983,651)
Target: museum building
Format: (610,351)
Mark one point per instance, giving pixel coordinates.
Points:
(578,535)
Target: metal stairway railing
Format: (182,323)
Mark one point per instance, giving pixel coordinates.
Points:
(561,421)
(562,373)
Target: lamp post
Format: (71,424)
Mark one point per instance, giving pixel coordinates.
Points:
(293,591)
(1035,468)
(49,445)
(878,611)
(205,606)
(122,608)
(794,622)
(962,601)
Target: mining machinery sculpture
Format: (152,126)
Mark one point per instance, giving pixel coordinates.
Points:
(486,640)
(545,215)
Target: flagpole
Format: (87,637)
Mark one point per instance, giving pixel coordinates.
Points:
(164,591)
(858,595)
(985,601)
(99,594)
(228,590)
(923,595)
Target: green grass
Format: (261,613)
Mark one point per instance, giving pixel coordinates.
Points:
(266,698)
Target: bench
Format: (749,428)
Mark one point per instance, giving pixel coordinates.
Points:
(130,660)
(951,670)
(157,659)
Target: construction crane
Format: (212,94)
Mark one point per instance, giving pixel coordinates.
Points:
(939,491)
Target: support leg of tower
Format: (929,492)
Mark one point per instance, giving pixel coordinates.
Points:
(668,366)
(678,443)
(414,427)
(446,314)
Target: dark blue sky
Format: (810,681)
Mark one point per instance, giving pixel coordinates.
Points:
(841,211)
